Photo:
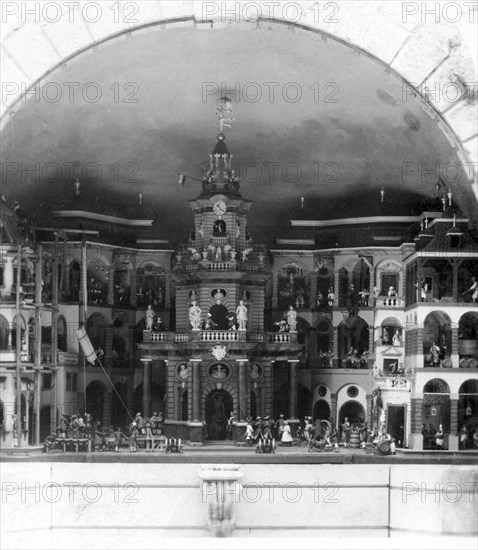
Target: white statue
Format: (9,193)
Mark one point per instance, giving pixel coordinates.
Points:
(291,316)
(195,315)
(218,254)
(241,315)
(201,229)
(397,339)
(149,318)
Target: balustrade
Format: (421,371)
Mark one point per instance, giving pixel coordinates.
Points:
(219,336)
(386,302)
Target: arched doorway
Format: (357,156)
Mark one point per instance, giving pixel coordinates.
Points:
(437,330)
(95,397)
(219,405)
(468,411)
(435,411)
(353,410)
(321,410)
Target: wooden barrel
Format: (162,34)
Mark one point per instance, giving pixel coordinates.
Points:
(446,363)
(354,440)
(472,363)
(384,447)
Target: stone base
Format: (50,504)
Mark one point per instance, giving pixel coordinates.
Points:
(453,442)
(195,432)
(239,431)
(415,442)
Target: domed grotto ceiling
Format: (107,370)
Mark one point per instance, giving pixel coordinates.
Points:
(312,118)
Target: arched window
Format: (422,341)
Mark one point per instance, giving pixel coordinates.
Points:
(437,341)
(292,287)
(391,332)
(97,282)
(96,330)
(151,286)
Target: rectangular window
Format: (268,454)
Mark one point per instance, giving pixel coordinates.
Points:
(388,280)
(46,381)
(71,381)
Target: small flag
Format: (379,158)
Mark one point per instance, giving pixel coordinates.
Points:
(182,179)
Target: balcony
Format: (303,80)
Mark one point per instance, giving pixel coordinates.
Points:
(220,336)
(398,382)
(10,356)
(389,303)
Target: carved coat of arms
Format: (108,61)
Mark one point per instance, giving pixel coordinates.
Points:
(219,352)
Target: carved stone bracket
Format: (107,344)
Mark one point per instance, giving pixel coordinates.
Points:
(221,489)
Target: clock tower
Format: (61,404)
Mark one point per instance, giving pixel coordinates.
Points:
(220,358)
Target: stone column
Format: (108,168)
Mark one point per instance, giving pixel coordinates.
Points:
(368,412)
(454,265)
(416,437)
(242,382)
(195,427)
(335,347)
(333,409)
(196,403)
(336,288)
(454,356)
(146,387)
(313,290)
(420,356)
(453,437)
(293,389)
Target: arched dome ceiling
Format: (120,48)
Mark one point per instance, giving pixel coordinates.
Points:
(353,130)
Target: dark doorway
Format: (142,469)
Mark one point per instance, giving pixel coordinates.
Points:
(321,410)
(354,411)
(253,405)
(304,401)
(45,421)
(157,400)
(184,405)
(396,423)
(219,405)
(95,397)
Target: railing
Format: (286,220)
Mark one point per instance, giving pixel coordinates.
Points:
(219,266)
(397,382)
(10,356)
(385,301)
(192,267)
(158,337)
(272,337)
(66,358)
(245,267)
(219,241)
(219,336)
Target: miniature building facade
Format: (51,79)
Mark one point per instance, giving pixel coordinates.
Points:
(223,324)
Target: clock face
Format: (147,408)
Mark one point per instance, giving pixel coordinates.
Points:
(219,207)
